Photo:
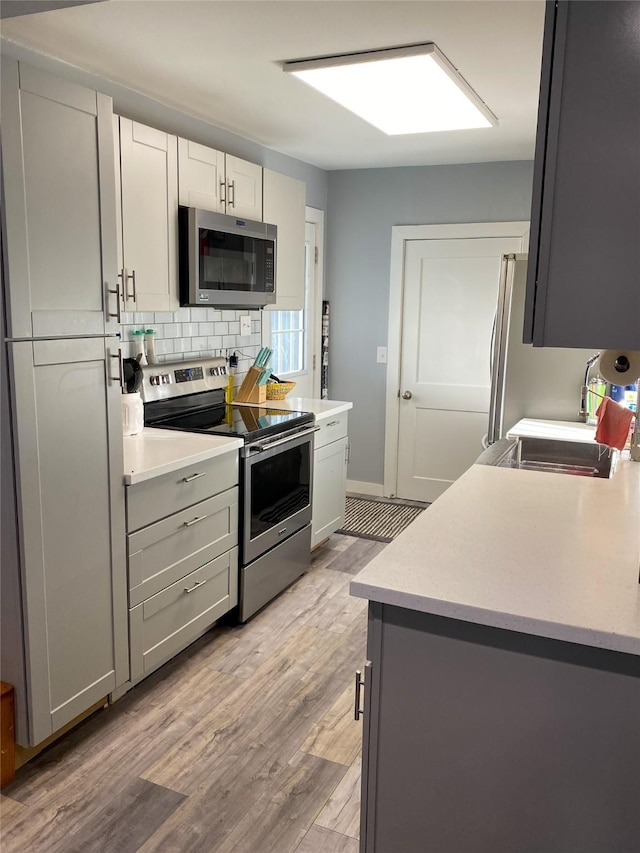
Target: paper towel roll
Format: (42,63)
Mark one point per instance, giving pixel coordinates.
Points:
(620,367)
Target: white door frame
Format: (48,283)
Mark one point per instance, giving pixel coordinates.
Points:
(316,216)
(400,234)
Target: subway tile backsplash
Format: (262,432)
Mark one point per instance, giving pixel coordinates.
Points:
(196,333)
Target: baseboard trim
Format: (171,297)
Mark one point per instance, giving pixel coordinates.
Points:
(359,487)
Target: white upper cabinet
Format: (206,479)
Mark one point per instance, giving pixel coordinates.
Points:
(59,206)
(201,177)
(149,236)
(244,188)
(284,201)
(211,180)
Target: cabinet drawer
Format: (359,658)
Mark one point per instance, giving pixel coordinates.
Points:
(157,498)
(164,624)
(168,550)
(331,429)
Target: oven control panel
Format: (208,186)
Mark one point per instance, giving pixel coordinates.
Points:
(189,374)
(177,379)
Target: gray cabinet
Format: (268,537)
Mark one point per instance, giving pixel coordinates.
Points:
(583,287)
(481,739)
(68,458)
(59,206)
(182,558)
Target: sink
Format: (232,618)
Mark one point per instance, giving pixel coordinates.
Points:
(583,459)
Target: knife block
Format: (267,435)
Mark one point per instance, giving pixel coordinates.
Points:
(250,391)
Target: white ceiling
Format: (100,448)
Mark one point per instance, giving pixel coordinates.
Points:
(220,60)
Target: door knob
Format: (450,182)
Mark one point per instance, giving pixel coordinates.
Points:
(407,395)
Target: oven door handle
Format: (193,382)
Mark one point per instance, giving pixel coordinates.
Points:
(259,447)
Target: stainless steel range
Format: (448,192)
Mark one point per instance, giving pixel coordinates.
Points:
(275,473)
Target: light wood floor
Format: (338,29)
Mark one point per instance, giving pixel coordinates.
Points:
(245,742)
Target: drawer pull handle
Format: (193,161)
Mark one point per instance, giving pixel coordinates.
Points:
(120,377)
(195,586)
(131,276)
(357,709)
(194,477)
(333,423)
(194,520)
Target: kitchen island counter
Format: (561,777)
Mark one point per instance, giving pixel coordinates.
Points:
(153,452)
(538,553)
(502,688)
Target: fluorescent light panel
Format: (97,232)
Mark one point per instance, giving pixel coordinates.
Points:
(400,90)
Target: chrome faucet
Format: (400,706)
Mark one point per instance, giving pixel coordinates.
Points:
(584,410)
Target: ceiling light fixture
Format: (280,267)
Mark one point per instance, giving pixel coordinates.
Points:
(413,89)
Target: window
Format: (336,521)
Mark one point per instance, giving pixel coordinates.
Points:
(287,342)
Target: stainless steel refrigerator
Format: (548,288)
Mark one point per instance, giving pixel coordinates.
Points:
(527,381)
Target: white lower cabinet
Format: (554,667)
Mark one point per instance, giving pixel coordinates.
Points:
(164,624)
(329,477)
(70,525)
(182,566)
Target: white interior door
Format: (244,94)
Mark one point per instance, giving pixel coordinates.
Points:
(449,302)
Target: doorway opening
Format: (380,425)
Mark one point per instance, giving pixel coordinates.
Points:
(443,294)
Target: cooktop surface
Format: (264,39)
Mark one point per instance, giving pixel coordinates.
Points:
(248,422)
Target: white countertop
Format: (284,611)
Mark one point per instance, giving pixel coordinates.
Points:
(159,451)
(563,430)
(539,553)
(320,408)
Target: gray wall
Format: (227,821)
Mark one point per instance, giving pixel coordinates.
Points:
(141,108)
(364,204)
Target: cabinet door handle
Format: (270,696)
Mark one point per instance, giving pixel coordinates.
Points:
(232,194)
(118,314)
(120,377)
(194,477)
(131,276)
(333,423)
(194,520)
(357,710)
(223,192)
(196,585)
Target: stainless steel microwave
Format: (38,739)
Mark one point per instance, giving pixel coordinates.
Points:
(226,261)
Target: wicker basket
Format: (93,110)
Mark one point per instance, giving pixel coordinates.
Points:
(279,390)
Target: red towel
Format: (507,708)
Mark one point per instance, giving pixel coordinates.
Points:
(614,422)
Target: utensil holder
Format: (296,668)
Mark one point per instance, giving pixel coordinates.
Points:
(250,391)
